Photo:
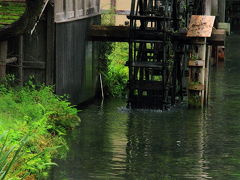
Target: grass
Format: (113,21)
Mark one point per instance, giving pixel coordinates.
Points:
(41,115)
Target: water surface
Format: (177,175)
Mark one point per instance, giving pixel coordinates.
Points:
(114,143)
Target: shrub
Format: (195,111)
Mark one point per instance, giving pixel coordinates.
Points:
(116,76)
(45,117)
(113,57)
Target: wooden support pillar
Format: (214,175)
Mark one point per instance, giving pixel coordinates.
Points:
(3,57)
(113,8)
(113,4)
(59,10)
(222,10)
(20,60)
(69,5)
(214,8)
(199,29)
(208,7)
(207,70)
(198,73)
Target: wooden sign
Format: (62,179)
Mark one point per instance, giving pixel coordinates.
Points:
(200,26)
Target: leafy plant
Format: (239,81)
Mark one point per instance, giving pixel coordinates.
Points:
(194,57)
(194,83)
(194,101)
(113,57)
(116,77)
(35,110)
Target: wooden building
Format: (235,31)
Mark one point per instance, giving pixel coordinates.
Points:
(53,45)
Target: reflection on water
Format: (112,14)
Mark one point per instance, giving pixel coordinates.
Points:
(114,143)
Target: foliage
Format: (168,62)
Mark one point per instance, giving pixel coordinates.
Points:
(107,18)
(113,57)
(194,57)
(194,101)
(45,117)
(5,153)
(116,76)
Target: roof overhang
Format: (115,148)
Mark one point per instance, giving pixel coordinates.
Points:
(32,14)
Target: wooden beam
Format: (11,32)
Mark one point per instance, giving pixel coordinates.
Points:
(11,60)
(17,1)
(34,65)
(121,34)
(109,33)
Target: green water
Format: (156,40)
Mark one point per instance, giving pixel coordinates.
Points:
(114,143)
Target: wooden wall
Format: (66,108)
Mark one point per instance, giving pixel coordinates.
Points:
(76,60)
(69,10)
(60,54)
(37,52)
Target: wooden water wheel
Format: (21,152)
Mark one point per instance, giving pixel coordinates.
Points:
(154,77)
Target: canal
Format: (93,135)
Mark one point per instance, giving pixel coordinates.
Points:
(115,143)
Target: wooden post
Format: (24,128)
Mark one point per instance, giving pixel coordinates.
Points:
(203,78)
(3,57)
(113,4)
(113,8)
(70,9)
(86,7)
(79,6)
(20,60)
(208,7)
(200,28)
(197,73)
(207,67)
(50,60)
(222,10)
(59,10)
(214,8)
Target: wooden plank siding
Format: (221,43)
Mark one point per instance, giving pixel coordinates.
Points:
(76,60)
(59,53)
(71,10)
(37,54)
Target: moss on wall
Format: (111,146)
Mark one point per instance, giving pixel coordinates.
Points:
(11,12)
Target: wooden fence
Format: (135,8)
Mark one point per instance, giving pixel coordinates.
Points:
(70,10)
